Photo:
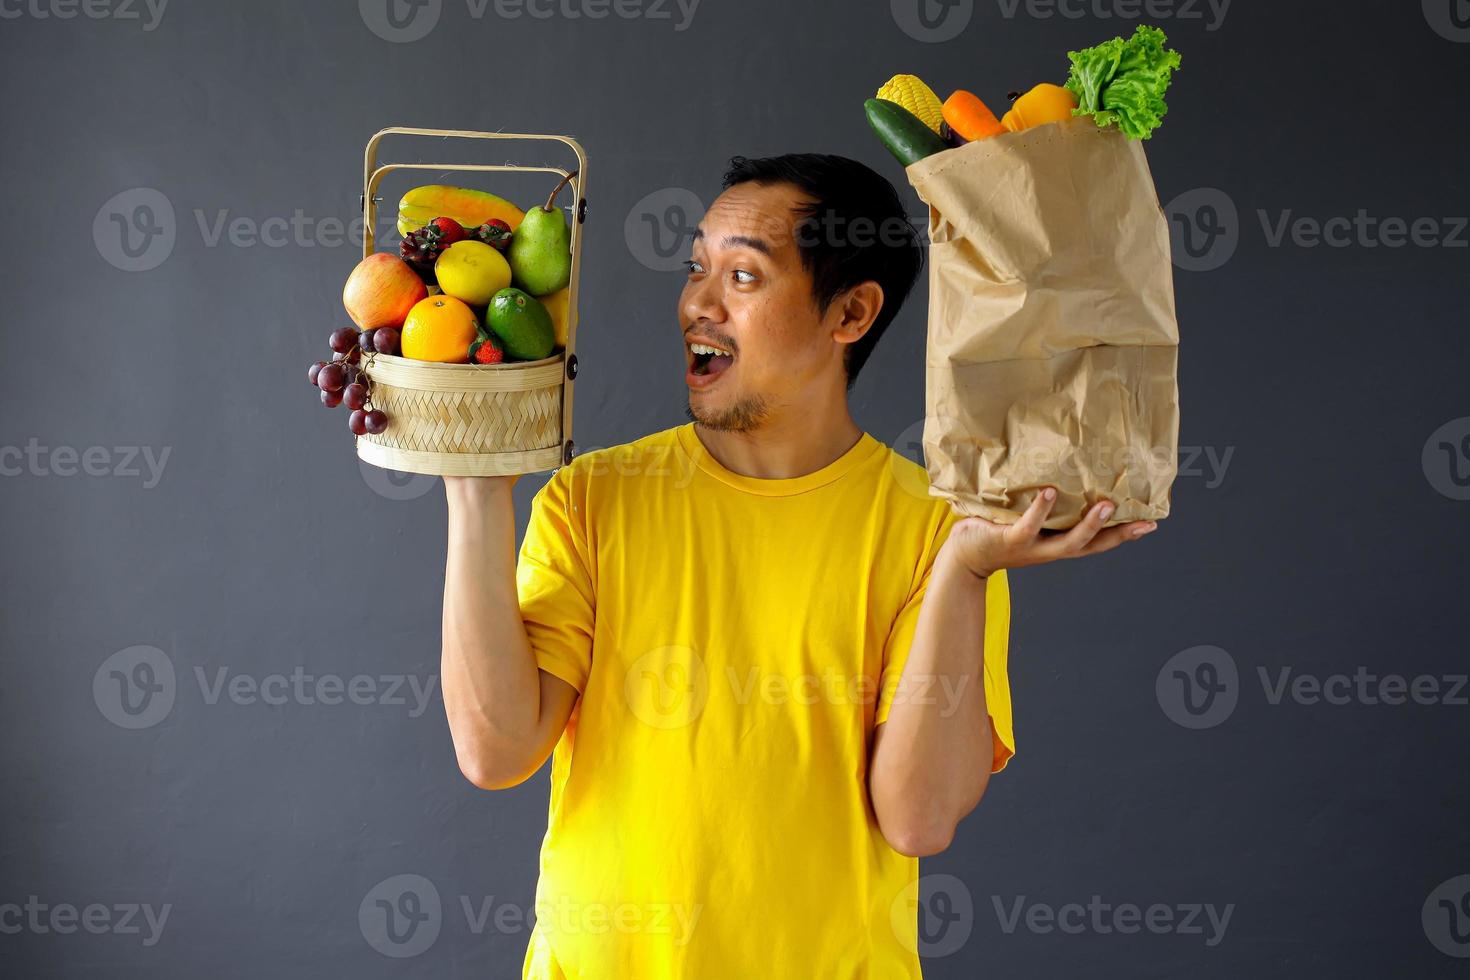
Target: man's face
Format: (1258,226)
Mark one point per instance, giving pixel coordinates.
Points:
(748,294)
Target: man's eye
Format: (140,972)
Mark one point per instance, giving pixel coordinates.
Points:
(693,266)
(750,277)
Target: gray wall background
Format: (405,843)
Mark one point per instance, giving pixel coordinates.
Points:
(1319,527)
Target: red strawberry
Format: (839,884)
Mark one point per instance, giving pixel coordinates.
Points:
(447,231)
(495,233)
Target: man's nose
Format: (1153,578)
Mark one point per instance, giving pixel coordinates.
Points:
(703,301)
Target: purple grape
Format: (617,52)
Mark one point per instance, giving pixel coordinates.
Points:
(386,340)
(331,399)
(354,396)
(351,357)
(365,339)
(332,377)
(357,422)
(342,339)
(376,422)
(354,375)
(315,368)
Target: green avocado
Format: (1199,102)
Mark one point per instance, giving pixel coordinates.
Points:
(522,323)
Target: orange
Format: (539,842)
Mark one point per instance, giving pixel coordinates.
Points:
(440,328)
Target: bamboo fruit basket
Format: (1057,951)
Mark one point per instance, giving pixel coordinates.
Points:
(473,419)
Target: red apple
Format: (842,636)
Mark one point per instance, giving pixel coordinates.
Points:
(381,291)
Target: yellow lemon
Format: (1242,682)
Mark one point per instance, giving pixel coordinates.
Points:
(556,305)
(471,271)
(440,328)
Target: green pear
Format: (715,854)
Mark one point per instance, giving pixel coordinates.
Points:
(540,250)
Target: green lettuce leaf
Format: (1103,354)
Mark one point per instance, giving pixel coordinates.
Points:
(1122,81)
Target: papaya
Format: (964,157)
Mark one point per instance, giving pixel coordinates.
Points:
(469,207)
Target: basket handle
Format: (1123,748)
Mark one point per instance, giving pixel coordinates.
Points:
(373,174)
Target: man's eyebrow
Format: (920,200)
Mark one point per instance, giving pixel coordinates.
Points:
(738,241)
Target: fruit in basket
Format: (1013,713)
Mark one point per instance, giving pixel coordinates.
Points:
(472,271)
(421,251)
(439,328)
(486,350)
(910,92)
(557,305)
(332,377)
(385,340)
(495,233)
(540,250)
(381,290)
(1045,103)
(522,324)
(447,230)
(471,208)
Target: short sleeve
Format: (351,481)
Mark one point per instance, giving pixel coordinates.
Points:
(553,582)
(997,642)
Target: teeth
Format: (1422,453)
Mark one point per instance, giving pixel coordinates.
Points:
(706,349)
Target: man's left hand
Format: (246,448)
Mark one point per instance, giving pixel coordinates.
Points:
(983,546)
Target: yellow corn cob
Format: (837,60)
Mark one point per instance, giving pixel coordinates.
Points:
(910,92)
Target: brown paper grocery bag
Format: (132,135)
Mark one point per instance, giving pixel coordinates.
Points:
(1053,345)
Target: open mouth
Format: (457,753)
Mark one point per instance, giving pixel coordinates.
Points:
(708,359)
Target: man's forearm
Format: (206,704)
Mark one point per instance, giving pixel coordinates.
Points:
(489,675)
(931,762)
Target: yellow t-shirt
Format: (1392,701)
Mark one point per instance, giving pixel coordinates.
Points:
(735,641)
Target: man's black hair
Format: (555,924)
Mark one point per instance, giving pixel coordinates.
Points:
(851,227)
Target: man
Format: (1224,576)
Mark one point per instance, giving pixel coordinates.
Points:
(772,669)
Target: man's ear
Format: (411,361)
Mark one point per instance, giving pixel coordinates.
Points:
(854,310)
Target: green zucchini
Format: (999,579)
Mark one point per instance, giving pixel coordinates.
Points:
(906,137)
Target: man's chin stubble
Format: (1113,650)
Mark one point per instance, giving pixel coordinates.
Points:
(746,415)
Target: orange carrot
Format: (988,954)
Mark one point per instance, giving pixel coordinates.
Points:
(970,117)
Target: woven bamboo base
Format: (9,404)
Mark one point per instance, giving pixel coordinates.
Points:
(466,419)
